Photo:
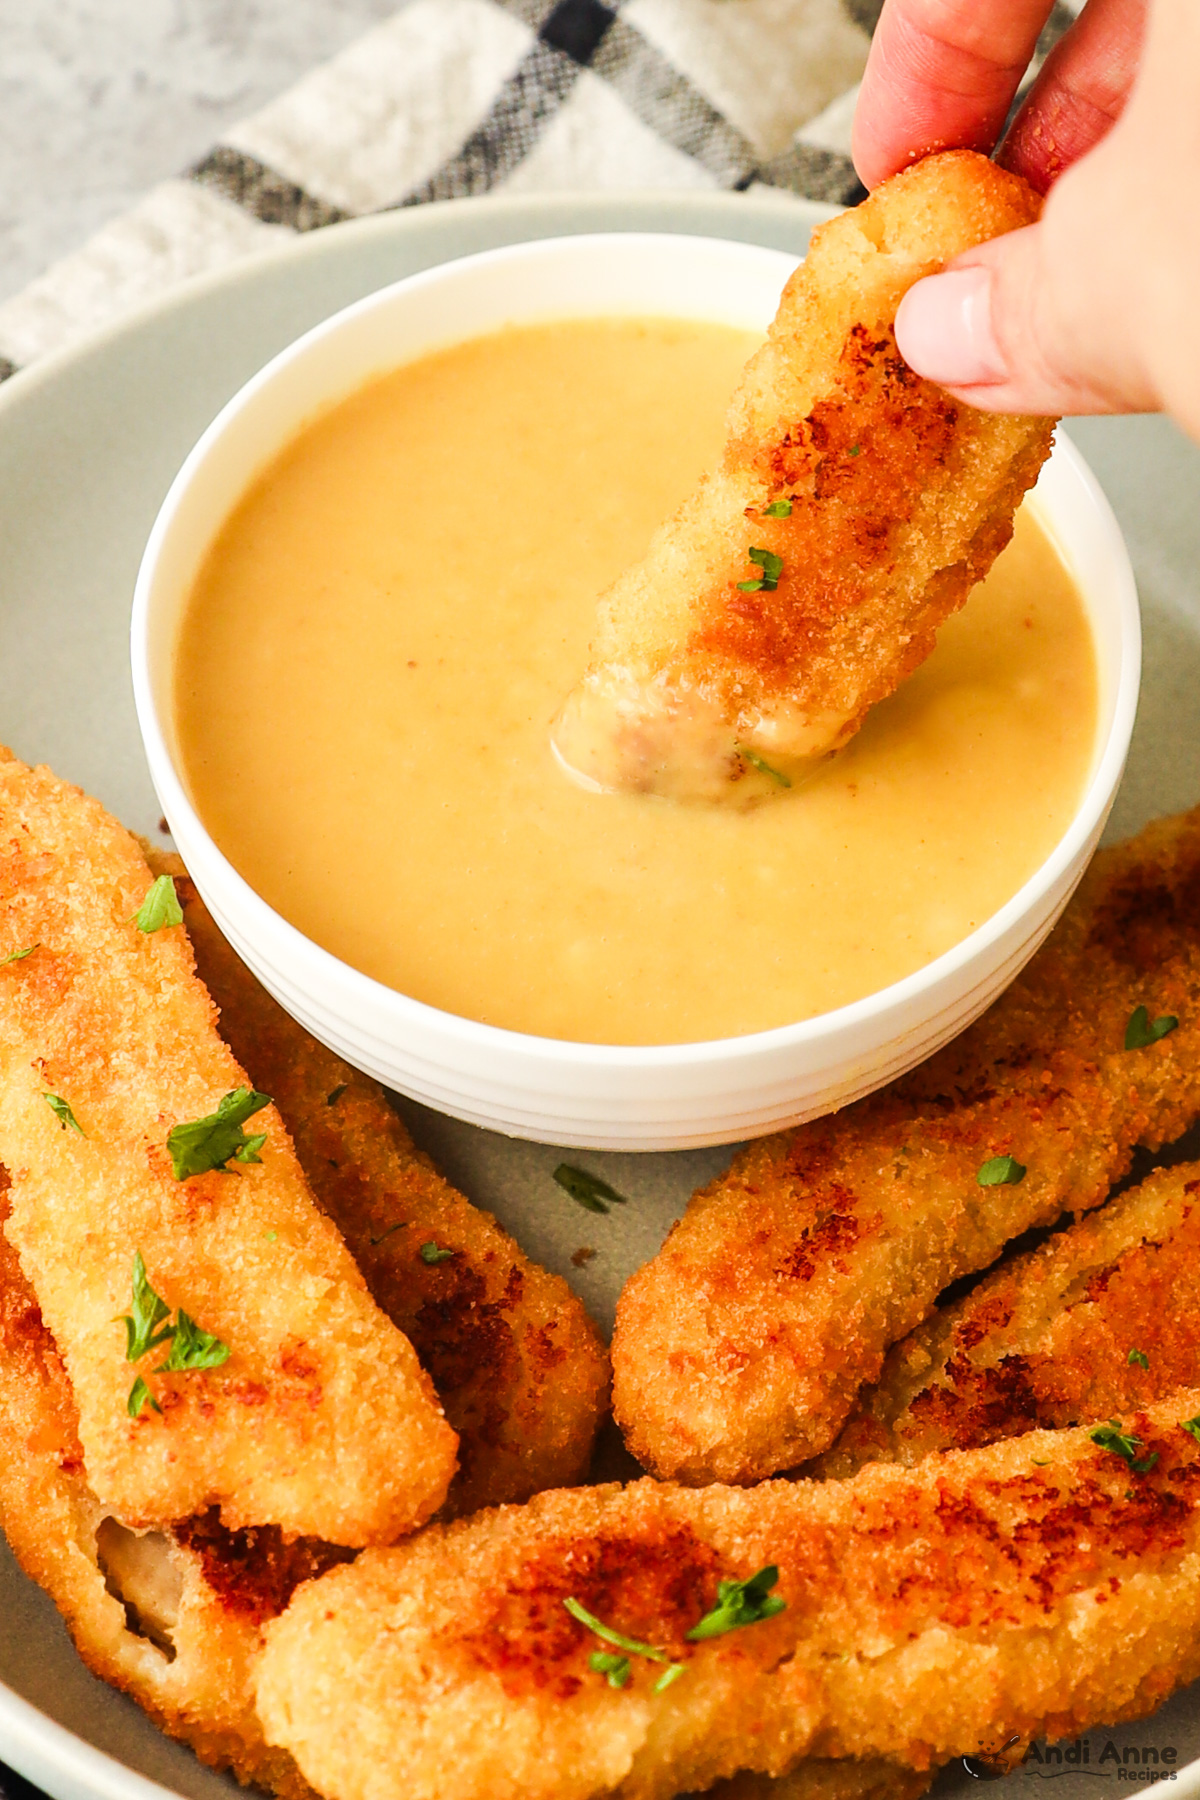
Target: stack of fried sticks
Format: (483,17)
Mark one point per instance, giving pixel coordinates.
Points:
(997,1534)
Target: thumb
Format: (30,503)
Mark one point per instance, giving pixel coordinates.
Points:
(1037,321)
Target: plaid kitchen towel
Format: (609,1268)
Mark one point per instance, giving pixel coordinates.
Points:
(466,97)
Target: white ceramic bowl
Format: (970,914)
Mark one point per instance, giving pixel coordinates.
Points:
(594,1095)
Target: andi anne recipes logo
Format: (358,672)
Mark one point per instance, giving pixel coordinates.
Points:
(1101,1758)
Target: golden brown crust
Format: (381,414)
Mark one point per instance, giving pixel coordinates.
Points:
(900,499)
(1035,1587)
(741,1347)
(518,1365)
(322,1420)
(1099,1319)
(199,1689)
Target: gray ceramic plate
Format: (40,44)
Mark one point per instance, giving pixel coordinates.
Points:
(89,442)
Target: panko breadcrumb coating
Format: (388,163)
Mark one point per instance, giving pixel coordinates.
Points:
(518,1366)
(321,1421)
(1100,1319)
(855,507)
(1035,1587)
(172,1618)
(741,1347)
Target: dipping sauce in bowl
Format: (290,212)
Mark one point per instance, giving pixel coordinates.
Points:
(380,636)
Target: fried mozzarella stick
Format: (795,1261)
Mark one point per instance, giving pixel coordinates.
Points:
(1101,1318)
(741,1347)
(1035,1587)
(261,1377)
(854,509)
(173,1618)
(518,1366)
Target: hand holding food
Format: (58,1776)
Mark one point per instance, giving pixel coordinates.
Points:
(1091,309)
(854,509)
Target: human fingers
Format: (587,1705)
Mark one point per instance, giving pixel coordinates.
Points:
(1080,92)
(941,75)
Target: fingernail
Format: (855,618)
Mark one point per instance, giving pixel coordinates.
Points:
(944,330)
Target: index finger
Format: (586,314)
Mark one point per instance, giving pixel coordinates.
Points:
(941,75)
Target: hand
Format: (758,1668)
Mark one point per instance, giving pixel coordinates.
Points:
(1093,308)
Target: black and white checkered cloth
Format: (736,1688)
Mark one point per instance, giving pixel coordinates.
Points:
(466,97)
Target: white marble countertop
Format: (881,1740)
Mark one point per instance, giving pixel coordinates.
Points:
(99,99)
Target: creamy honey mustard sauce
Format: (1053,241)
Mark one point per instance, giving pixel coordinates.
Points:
(387,625)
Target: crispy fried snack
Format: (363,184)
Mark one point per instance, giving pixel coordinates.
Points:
(1034,1587)
(826,1778)
(741,1347)
(172,1618)
(519,1367)
(1100,1319)
(855,507)
(321,1420)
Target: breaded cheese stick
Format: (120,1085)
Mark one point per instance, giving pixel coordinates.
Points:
(518,1366)
(854,508)
(169,1617)
(740,1348)
(289,1398)
(1035,1587)
(1099,1319)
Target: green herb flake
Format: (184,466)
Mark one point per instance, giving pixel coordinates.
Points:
(762,765)
(740,1603)
(778,509)
(589,1191)
(854,450)
(669,1677)
(771,566)
(333,1098)
(15,956)
(618,1669)
(1039,1465)
(632,1645)
(1140,1358)
(1191,1426)
(147,1313)
(1123,1444)
(398,1226)
(160,907)
(1143,1031)
(211,1142)
(1001,1171)
(435,1253)
(192,1348)
(62,1112)
(139,1399)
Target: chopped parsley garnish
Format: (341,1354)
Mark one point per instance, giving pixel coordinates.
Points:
(593,1194)
(18,955)
(148,1327)
(771,566)
(740,1603)
(762,765)
(854,450)
(1139,1357)
(160,907)
(192,1347)
(148,1313)
(617,1668)
(1001,1171)
(212,1142)
(1123,1444)
(139,1399)
(332,1099)
(778,509)
(619,1665)
(398,1226)
(1192,1427)
(62,1112)
(434,1253)
(1142,1031)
